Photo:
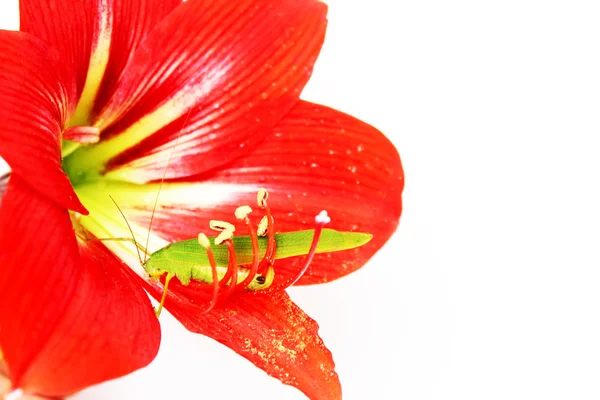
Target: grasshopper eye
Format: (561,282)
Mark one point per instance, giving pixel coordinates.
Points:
(263,282)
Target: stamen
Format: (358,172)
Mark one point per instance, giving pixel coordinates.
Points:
(223,236)
(231,267)
(269,257)
(227,276)
(242,212)
(261,197)
(203,240)
(254,268)
(321,220)
(221,226)
(262,227)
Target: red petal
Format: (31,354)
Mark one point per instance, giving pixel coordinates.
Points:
(70,315)
(83,31)
(317,158)
(226,70)
(3,183)
(109,330)
(68,26)
(270,331)
(5,387)
(133,20)
(39,273)
(36,96)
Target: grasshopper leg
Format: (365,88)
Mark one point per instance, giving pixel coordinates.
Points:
(164,295)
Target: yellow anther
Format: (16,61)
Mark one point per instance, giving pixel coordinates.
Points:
(203,240)
(263,226)
(221,226)
(261,198)
(223,236)
(242,212)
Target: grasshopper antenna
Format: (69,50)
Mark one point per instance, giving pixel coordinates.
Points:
(130,231)
(187,117)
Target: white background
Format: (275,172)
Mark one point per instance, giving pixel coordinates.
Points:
(491,287)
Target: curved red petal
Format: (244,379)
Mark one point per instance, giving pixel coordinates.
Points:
(70,314)
(95,38)
(132,21)
(68,26)
(316,158)
(271,332)
(38,254)
(109,330)
(5,387)
(226,71)
(36,97)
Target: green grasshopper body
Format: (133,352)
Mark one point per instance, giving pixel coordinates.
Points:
(187,260)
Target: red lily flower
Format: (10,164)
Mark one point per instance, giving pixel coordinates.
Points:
(96,96)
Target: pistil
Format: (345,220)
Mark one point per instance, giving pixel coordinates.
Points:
(321,220)
(232,267)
